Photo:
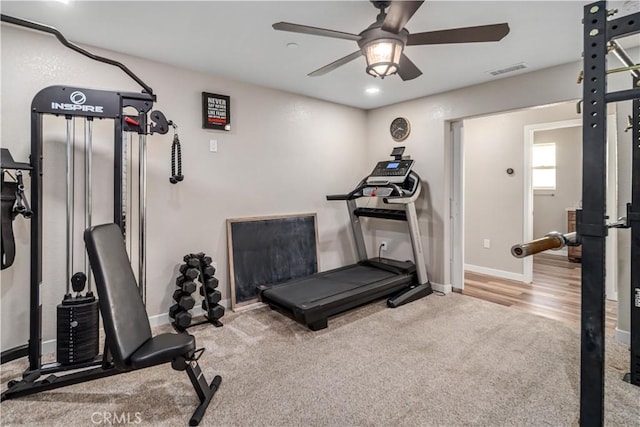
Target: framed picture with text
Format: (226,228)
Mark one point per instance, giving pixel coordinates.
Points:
(216,111)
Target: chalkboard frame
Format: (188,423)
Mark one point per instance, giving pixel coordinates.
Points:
(235,304)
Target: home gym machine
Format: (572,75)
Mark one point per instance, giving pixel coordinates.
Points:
(600,34)
(129,344)
(312,300)
(88,104)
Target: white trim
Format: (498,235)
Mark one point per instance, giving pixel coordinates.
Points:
(442,288)
(623,336)
(456,205)
(493,272)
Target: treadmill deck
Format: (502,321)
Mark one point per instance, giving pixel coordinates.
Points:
(311,300)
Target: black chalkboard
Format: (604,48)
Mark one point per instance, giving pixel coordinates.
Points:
(268,251)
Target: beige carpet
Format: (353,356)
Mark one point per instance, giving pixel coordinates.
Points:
(447,361)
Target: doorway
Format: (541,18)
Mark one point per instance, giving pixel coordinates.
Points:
(504,147)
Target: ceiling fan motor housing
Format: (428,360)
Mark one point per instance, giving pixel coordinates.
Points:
(376,33)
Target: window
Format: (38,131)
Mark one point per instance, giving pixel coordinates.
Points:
(544,166)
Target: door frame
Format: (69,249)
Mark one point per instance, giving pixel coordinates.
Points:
(455,138)
(527,208)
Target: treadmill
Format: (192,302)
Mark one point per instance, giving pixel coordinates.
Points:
(312,300)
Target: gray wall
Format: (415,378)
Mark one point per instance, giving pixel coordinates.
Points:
(493,203)
(550,207)
(280,157)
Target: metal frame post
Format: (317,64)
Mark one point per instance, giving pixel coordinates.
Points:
(35,305)
(591,227)
(142,217)
(118,158)
(356,227)
(70,147)
(88,186)
(591,220)
(633,217)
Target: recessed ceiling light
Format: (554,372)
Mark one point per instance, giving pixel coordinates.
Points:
(63,1)
(372,90)
(292,45)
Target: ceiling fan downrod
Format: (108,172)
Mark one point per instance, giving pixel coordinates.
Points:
(382,5)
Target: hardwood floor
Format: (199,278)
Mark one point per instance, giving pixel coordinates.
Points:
(554,291)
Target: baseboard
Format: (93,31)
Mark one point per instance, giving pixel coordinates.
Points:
(441,288)
(49,346)
(623,336)
(493,272)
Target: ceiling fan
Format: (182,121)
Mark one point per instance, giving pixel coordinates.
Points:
(383,42)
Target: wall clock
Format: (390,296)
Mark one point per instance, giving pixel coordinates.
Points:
(400,129)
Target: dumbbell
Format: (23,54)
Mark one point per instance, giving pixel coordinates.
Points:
(208,271)
(206,260)
(210,284)
(189,272)
(180,280)
(182,320)
(184,300)
(188,286)
(192,262)
(212,298)
(173,310)
(215,312)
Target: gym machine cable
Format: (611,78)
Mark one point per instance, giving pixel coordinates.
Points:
(600,34)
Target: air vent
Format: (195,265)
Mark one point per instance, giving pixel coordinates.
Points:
(509,69)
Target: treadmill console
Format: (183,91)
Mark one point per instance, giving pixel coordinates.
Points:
(390,171)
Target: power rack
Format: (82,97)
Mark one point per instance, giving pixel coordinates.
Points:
(600,33)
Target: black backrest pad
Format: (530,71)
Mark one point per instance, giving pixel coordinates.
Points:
(125,319)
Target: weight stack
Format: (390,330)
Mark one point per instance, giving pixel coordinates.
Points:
(77,330)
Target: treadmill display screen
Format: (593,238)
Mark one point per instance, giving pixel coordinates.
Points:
(393,165)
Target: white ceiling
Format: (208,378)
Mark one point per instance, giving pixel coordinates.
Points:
(235,39)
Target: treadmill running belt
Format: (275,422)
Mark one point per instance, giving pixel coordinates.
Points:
(309,290)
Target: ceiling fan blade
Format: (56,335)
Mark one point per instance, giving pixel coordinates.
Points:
(335,64)
(407,70)
(482,33)
(314,31)
(399,14)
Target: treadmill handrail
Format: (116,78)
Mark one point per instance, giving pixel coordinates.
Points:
(403,200)
(351,195)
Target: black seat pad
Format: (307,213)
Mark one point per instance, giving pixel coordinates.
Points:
(162,348)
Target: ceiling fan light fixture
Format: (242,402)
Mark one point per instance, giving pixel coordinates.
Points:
(383,56)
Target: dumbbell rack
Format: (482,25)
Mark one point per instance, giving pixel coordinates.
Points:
(196,267)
